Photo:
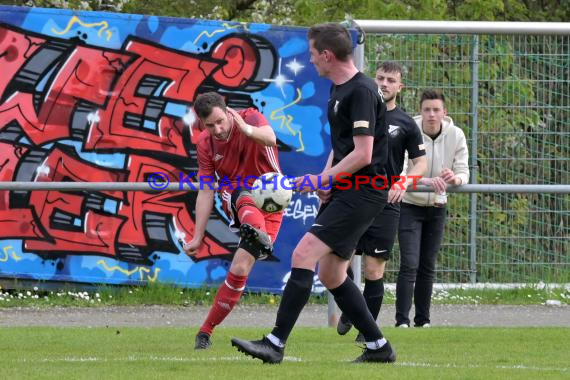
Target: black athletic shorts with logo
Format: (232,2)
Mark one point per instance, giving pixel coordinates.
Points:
(378,240)
(346,216)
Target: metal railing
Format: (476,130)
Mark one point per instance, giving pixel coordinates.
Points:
(194,186)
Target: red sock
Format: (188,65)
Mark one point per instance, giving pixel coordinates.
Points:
(227,297)
(249,214)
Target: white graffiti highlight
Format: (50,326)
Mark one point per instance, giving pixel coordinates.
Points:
(295,66)
(280,79)
(317,288)
(305,208)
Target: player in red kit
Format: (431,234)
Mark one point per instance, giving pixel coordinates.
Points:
(232,146)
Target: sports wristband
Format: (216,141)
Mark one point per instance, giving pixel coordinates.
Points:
(249,130)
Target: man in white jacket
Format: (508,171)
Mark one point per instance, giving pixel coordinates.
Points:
(422,220)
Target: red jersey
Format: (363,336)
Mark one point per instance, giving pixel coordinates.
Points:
(237,157)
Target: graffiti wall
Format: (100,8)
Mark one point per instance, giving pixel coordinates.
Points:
(103,97)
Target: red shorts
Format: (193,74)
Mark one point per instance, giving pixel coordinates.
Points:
(272,220)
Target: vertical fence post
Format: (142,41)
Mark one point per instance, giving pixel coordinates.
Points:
(473,159)
(359,60)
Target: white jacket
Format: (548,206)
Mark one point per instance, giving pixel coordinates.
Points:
(448,150)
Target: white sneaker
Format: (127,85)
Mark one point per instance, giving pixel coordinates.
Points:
(403,326)
(426,325)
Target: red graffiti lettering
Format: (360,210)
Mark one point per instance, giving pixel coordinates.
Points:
(130,102)
(150,216)
(76,222)
(135,116)
(15,221)
(15,49)
(43,101)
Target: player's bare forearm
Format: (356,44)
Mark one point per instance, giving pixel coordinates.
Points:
(263,135)
(398,190)
(204,205)
(360,157)
(329,162)
(420,167)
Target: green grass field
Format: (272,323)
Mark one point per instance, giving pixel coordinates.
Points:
(312,353)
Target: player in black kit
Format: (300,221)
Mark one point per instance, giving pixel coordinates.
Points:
(356,113)
(377,243)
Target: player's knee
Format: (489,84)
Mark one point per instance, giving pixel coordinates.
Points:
(242,263)
(308,252)
(301,258)
(330,280)
(331,274)
(243,195)
(373,275)
(374,268)
(257,250)
(240,270)
(304,256)
(244,199)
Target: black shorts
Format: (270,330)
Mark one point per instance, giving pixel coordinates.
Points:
(346,216)
(378,240)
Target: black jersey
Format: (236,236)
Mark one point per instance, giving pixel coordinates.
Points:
(357,108)
(403,134)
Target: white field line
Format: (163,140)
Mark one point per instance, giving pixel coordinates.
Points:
(92,359)
(474,366)
(491,286)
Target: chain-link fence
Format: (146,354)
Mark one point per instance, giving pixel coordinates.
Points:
(511,96)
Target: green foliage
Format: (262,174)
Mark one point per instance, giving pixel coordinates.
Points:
(480,10)
(309,12)
(215,9)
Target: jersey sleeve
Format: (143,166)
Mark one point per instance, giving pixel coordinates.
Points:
(205,161)
(363,111)
(415,142)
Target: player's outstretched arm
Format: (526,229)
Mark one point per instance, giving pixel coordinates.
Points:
(261,134)
(204,205)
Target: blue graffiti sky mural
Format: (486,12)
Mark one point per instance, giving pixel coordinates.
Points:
(94,96)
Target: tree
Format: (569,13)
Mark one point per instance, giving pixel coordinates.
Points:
(308,12)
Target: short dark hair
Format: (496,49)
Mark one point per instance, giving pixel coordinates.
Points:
(205,103)
(431,94)
(390,67)
(334,37)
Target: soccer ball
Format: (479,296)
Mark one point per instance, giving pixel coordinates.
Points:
(272,192)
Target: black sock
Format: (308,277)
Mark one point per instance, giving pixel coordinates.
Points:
(295,296)
(350,274)
(373,295)
(351,302)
